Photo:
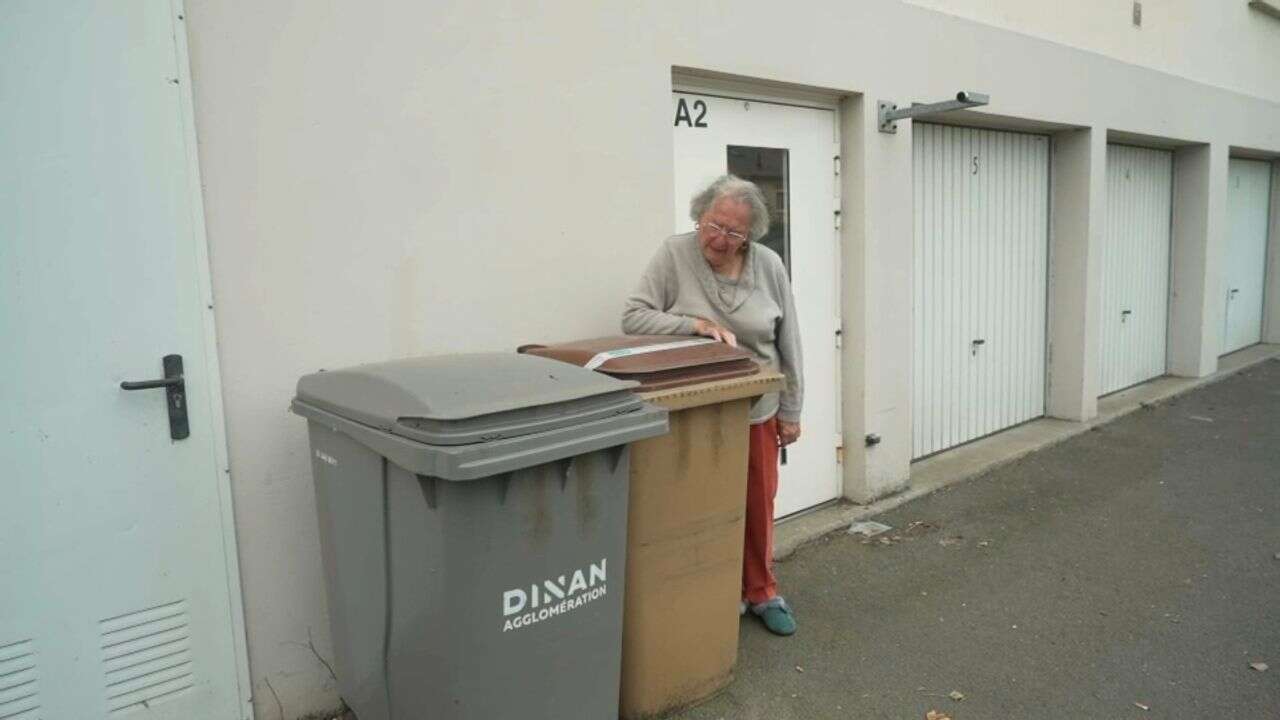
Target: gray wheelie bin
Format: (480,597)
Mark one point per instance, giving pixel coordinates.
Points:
(473,522)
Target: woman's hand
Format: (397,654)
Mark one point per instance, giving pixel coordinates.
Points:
(788,432)
(709,329)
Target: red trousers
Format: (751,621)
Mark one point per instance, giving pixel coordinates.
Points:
(758,583)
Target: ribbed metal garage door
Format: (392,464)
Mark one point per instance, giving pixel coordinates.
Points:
(1245,264)
(1135,266)
(981,256)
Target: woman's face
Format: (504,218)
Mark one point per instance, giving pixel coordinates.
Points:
(731,216)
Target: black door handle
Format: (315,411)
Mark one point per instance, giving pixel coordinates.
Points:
(175,393)
(150,384)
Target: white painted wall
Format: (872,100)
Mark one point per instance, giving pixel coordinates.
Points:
(1224,43)
(1076,236)
(392,178)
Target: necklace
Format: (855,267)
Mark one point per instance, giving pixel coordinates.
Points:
(727,289)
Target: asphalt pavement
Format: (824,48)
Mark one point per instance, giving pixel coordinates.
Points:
(1131,572)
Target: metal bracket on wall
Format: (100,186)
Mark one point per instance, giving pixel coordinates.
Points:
(889,114)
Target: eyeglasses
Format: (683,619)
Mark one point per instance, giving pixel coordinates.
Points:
(731,234)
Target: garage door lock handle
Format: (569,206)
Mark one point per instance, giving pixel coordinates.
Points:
(973,347)
(1124,315)
(175,393)
(151,384)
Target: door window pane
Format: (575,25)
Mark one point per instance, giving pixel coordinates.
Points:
(767,168)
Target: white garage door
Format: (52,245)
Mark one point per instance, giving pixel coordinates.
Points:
(981,257)
(1244,267)
(1135,266)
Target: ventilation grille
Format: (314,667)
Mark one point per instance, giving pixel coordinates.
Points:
(147,656)
(19,694)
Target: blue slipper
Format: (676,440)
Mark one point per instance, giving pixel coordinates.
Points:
(776,615)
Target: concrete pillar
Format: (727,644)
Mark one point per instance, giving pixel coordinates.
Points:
(877,273)
(1195,267)
(1271,309)
(1078,212)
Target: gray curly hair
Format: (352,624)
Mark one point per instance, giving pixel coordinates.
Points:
(734,187)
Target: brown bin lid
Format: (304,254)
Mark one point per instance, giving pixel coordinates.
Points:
(657,362)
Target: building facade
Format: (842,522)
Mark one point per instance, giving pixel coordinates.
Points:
(378,180)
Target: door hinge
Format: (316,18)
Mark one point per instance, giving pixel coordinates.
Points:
(839,449)
(837,217)
(836,161)
(839,333)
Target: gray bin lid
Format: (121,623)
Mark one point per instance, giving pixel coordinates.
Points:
(465,399)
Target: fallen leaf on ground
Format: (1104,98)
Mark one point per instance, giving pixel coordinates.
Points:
(919,527)
(935,715)
(1141,706)
(957,695)
(1259,666)
(799,669)
(951,540)
(984,543)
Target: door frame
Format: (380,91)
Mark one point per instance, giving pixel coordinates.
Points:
(688,80)
(220,462)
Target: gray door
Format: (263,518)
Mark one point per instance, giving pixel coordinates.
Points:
(119,592)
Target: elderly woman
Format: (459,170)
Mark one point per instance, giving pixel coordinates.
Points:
(718,282)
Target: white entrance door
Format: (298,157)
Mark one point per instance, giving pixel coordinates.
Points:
(1135,266)
(790,153)
(119,593)
(1245,265)
(981,266)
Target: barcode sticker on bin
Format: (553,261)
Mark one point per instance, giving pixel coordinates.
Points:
(607,355)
